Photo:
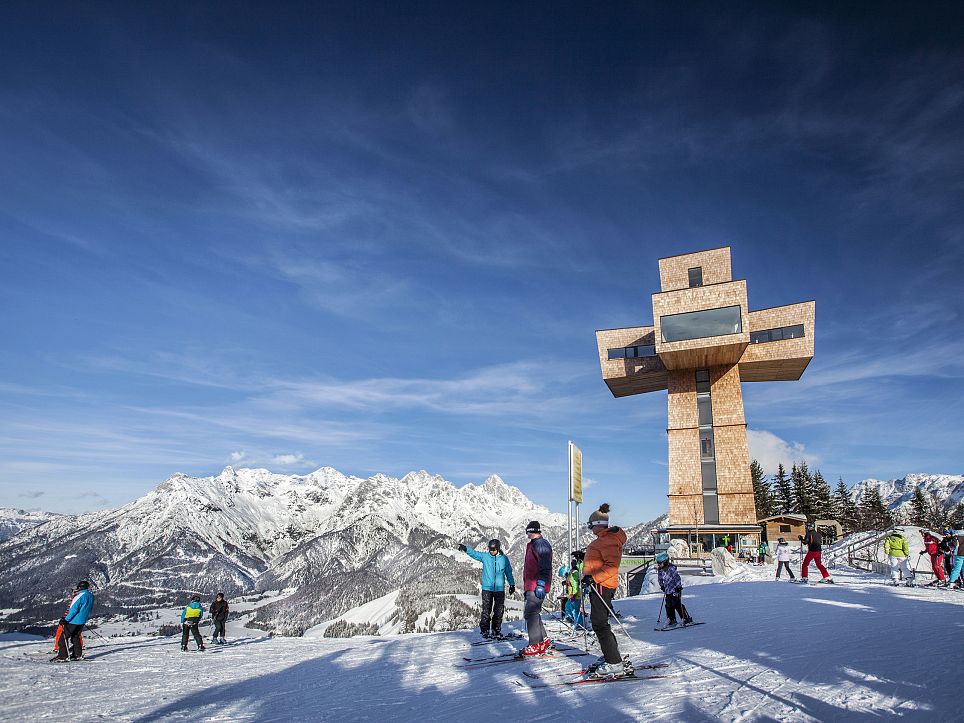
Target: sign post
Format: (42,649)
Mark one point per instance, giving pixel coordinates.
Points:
(575,495)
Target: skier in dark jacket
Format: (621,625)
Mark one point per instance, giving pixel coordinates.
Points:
(672,586)
(536,581)
(813,540)
(73,623)
(190,619)
(219,614)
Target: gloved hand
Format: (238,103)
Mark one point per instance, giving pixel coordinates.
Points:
(63,621)
(462,548)
(512,589)
(540,590)
(587,580)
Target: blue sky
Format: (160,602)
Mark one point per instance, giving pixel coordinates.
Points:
(380,238)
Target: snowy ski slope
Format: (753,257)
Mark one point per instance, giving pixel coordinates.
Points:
(769,651)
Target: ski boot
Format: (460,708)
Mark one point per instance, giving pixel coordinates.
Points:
(183,648)
(827,581)
(687,621)
(536,649)
(670,625)
(608,671)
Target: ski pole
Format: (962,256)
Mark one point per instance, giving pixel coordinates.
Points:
(611,612)
(662,602)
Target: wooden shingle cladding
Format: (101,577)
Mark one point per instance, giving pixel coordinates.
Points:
(783,360)
(707,351)
(730,360)
(625,377)
(674,270)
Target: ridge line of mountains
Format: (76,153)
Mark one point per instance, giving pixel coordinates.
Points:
(329,541)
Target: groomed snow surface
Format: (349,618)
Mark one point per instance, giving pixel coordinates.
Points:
(771,651)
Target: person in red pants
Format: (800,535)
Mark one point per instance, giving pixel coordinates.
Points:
(813,540)
(932,545)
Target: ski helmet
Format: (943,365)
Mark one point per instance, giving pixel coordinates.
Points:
(578,555)
(83,585)
(810,526)
(662,558)
(495,545)
(195,598)
(948,531)
(782,540)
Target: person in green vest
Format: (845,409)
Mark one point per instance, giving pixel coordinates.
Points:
(761,552)
(572,589)
(897,551)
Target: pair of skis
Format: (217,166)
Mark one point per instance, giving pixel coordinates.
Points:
(516,658)
(666,628)
(567,679)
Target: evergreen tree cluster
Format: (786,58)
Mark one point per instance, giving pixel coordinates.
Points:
(806,492)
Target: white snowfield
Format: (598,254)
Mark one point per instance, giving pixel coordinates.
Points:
(770,651)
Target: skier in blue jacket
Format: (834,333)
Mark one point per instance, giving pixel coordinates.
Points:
(190,619)
(74,621)
(496,569)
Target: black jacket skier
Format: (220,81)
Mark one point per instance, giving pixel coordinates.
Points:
(219,614)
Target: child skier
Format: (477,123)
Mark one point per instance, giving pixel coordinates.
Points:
(958,561)
(536,580)
(73,623)
(219,614)
(813,540)
(896,549)
(190,618)
(496,569)
(572,589)
(761,552)
(671,584)
(782,554)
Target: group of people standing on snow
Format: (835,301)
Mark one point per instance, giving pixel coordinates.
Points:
(592,576)
(813,541)
(69,641)
(946,557)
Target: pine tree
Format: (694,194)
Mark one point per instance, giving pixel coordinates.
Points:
(844,508)
(783,492)
(937,516)
(822,497)
(957,517)
(762,492)
(874,515)
(803,490)
(918,509)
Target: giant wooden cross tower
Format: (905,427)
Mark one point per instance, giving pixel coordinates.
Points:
(704,342)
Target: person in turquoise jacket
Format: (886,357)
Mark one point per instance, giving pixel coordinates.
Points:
(496,569)
(190,619)
(74,621)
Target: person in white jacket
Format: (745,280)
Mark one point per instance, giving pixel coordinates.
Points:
(782,555)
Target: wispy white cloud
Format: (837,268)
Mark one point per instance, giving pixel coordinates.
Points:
(770,451)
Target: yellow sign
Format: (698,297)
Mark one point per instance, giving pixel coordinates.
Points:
(575,473)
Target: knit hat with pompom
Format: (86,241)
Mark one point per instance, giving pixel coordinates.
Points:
(600,518)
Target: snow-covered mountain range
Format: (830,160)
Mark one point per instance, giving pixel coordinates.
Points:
(898,493)
(14,521)
(334,540)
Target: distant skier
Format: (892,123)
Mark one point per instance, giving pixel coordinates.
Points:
(536,581)
(956,577)
(190,619)
(59,635)
(813,540)
(896,549)
(761,552)
(496,569)
(601,578)
(672,586)
(782,555)
(219,614)
(932,546)
(949,548)
(73,623)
